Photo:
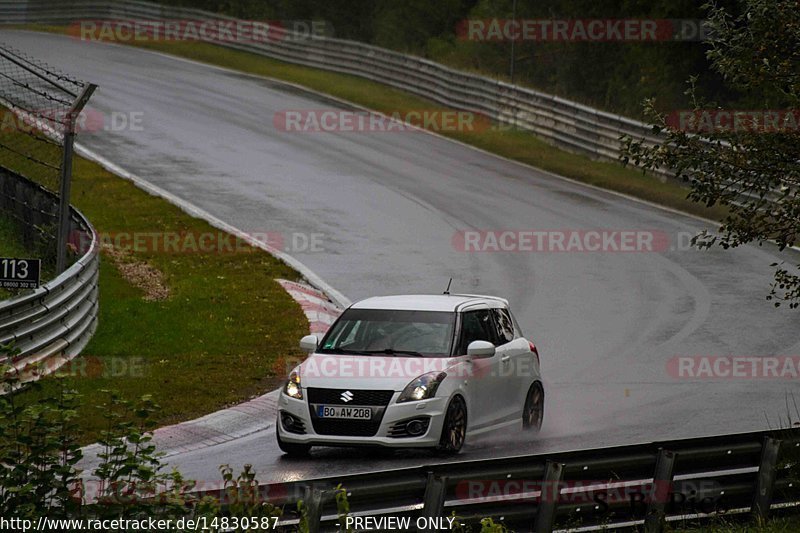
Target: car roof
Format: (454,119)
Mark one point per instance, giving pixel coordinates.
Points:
(427,302)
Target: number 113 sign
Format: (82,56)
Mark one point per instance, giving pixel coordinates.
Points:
(20,273)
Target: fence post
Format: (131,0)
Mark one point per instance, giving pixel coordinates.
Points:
(312,500)
(765,479)
(66,176)
(548,501)
(433,501)
(662,484)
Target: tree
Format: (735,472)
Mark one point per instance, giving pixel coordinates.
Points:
(752,167)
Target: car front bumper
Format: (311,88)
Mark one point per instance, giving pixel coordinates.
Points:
(394,415)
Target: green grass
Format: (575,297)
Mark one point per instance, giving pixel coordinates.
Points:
(10,243)
(10,246)
(518,145)
(218,339)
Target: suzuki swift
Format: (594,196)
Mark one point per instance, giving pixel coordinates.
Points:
(420,371)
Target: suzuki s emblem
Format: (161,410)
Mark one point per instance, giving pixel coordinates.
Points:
(346,396)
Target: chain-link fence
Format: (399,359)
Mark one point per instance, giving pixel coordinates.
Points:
(39,107)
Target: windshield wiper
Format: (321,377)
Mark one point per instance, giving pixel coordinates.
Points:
(345,351)
(392,351)
(385,351)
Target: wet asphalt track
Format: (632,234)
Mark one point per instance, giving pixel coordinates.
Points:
(389,205)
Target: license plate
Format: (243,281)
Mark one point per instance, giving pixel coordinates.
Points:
(352,413)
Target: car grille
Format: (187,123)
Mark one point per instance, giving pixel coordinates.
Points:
(348,428)
(360,397)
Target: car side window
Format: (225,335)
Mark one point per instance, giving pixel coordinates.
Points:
(347,335)
(504,325)
(475,326)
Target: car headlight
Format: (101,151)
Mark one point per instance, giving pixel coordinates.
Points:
(292,387)
(422,388)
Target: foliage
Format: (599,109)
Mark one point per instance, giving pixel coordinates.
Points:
(612,75)
(487,525)
(39,449)
(752,170)
(131,481)
(242,495)
(342,505)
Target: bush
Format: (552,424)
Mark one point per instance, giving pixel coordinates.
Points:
(39,452)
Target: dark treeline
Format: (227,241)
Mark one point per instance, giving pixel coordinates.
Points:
(616,76)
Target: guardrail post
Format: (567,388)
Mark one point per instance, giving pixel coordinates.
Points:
(548,501)
(662,484)
(433,501)
(312,501)
(765,480)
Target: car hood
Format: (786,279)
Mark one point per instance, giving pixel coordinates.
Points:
(369,372)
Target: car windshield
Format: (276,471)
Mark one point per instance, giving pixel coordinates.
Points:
(391,332)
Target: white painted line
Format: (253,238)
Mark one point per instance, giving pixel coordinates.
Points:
(340,299)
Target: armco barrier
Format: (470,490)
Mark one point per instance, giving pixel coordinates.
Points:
(52,324)
(567,124)
(611,489)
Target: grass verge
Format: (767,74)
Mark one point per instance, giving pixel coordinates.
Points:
(197,330)
(517,145)
(10,246)
(10,243)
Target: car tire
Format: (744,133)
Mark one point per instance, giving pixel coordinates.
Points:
(533,410)
(292,449)
(454,429)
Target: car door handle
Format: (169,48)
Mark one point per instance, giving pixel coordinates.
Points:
(505,358)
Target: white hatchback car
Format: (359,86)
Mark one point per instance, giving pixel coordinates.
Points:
(412,371)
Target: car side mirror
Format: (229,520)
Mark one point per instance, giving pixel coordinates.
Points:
(309,343)
(480,349)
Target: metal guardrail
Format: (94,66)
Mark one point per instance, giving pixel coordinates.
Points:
(53,323)
(562,122)
(613,489)
(740,473)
